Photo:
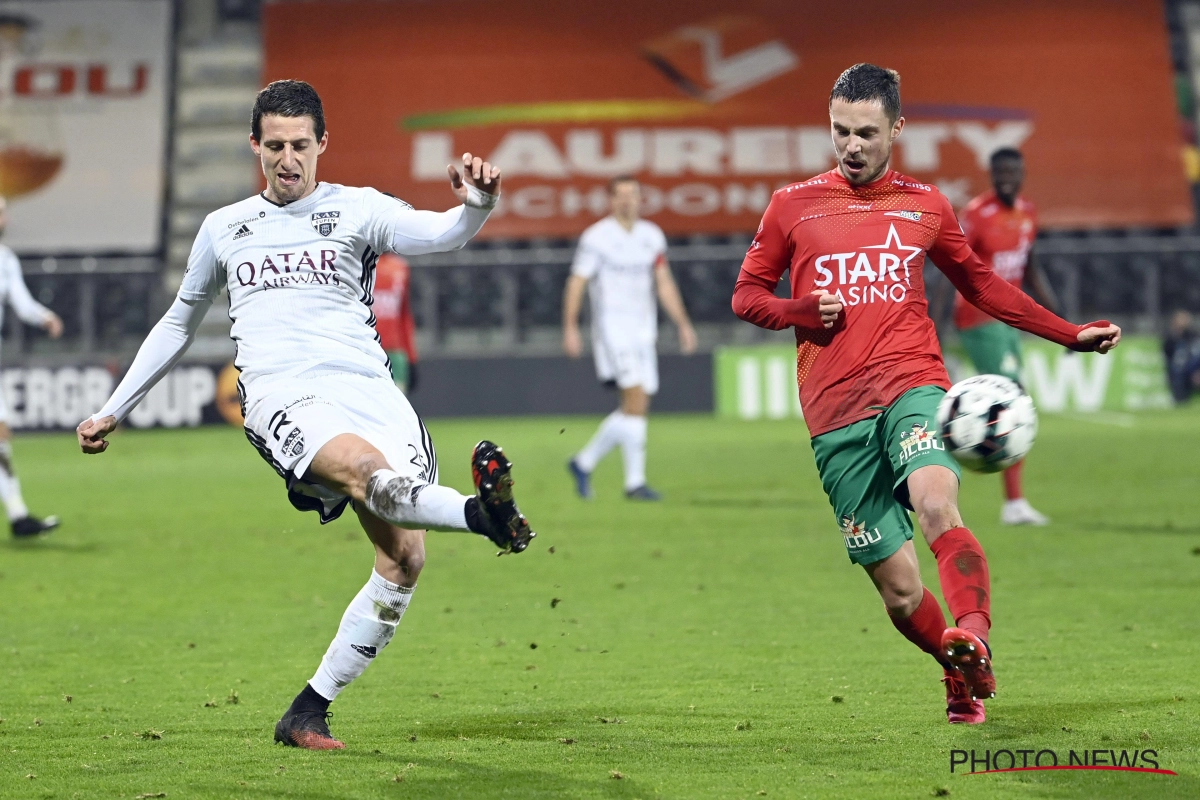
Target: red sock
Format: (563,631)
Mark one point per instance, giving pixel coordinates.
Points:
(1012,482)
(925,626)
(963,570)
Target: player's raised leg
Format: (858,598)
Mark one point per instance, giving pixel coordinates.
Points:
(367,626)
(350,465)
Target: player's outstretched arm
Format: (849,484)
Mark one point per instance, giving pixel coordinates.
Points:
(572,301)
(412,232)
(164,346)
(984,289)
(672,303)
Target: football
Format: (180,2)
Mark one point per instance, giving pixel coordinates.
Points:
(987,422)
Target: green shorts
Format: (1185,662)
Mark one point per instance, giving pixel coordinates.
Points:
(995,349)
(864,469)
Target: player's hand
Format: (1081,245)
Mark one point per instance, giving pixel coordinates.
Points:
(91,434)
(572,343)
(477,172)
(829,306)
(53,326)
(687,339)
(1100,338)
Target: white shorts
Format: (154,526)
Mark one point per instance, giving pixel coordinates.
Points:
(290,420)
(627,365)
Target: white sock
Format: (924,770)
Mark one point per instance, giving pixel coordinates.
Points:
(633,449)
(10,486)
(367,626)
(606,437)
(409,503)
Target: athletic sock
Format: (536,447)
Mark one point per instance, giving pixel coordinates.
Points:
(367,626)
(924,627)
(633,450)
(963,570)
(1012,482)
(309,700)
(606,437)
(409,503)
(10,485)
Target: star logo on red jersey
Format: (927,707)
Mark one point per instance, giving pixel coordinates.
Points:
(893,243)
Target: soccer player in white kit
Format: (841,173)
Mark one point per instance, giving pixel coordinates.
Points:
(622,260)
(31,312)
(298,261)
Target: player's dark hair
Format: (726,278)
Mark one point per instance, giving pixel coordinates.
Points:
(617,180)
(1006,152)
(288,99)
(864,83)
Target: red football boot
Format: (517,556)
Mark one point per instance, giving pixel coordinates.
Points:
(967,653)
(961,708)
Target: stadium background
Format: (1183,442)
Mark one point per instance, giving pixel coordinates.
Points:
(712,110)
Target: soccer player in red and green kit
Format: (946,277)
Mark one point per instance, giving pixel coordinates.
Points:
(1000,226)
(870,370)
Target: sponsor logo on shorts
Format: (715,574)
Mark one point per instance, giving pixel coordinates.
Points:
(325,221)
(293,445)
(911,216)
(919,440)
(858,534)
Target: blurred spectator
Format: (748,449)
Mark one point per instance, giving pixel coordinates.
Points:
(1182,349)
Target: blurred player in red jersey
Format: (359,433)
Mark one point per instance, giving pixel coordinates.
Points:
(870,370)
(394,319)
(1001,226)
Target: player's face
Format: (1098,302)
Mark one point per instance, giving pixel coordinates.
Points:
(1008,174)
(862,138)
(288,151)
(626,200)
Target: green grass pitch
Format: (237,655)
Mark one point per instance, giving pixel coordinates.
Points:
(716,645)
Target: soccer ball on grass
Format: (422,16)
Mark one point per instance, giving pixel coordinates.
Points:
(987,422)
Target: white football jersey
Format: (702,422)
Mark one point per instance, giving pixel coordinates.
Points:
(14,292)
(300,277)
(619,265)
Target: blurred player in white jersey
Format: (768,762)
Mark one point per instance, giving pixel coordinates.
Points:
(31,312)
(298,262)
(622,260)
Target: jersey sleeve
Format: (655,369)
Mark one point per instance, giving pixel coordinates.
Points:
(587,256)
(984,289)
(30,311)
(969,224)
(770,253)
(204,276)
(769,257)
(660,243)
(393,226)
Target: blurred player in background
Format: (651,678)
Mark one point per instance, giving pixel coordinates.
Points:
(871,373)
(14,292)
(394,319)
(1001,227)
(622,260)
(298,261)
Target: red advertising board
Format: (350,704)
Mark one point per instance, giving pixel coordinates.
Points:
(714,104)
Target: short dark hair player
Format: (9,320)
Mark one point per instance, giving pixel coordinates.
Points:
(870,371)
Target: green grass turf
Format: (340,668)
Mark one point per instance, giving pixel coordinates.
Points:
(697,648)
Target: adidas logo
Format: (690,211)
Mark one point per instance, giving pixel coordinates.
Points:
(243,231)
(365,649)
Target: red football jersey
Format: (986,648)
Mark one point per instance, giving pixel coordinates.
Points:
(867,246)
(393,313)
(1002,237)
